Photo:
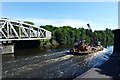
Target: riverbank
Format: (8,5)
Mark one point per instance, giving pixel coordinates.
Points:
(110,69)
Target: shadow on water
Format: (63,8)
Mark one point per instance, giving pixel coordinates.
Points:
(22,51)
(27,44)
(76,54)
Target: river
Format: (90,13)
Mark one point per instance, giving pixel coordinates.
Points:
(50,63)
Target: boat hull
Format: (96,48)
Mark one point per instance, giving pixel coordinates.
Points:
(82,53)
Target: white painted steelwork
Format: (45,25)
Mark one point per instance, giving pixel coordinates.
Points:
(17,30)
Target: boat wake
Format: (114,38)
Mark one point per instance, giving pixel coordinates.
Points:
(52,65)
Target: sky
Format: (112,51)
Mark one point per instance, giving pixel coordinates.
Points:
(100,15)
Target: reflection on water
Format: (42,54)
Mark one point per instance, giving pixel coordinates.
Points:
(50,63)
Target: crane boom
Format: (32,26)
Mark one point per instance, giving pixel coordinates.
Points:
(89,26)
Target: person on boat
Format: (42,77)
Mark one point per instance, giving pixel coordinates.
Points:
(82,45)
(95,43)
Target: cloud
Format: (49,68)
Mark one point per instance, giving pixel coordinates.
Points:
(75,23)
(103,26)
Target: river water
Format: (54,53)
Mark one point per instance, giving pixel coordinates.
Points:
(50,63)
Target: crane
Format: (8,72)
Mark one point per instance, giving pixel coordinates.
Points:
(89,26)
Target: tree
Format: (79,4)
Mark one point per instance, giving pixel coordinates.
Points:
(69,35)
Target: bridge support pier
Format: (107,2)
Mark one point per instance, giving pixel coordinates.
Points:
(116,41)
(7,48)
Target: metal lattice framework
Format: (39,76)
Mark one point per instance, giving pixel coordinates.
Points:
(17,30)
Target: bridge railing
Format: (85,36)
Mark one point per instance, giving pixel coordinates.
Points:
(17,30)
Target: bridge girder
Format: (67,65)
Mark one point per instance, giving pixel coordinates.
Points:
(17,30)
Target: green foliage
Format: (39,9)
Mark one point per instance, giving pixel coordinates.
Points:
(44,42)
(69,35)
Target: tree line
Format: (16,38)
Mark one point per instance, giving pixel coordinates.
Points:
(68,35)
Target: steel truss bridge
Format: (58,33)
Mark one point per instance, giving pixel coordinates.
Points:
(18,30)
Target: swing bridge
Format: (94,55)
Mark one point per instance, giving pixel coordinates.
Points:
(17,30)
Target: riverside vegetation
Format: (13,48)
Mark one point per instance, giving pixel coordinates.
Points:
(67,35)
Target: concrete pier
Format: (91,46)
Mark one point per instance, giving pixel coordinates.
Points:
(93,73)
(109,70)
(7,49)
(117,40)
